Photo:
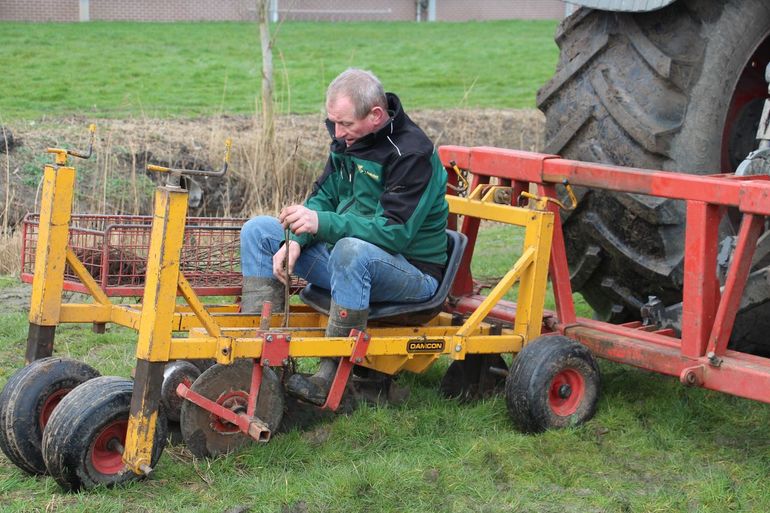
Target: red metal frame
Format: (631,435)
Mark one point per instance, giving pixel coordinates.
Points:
(700,356)
(337,388)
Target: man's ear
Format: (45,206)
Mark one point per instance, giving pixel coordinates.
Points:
(378,114)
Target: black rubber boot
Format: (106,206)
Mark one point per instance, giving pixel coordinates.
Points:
(314,389)
(256,291)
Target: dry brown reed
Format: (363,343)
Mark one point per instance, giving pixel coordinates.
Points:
(265,175)
(10,253)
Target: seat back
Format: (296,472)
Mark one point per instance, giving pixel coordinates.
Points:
(402,313)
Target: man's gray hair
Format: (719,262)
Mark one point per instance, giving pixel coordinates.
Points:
(362,87)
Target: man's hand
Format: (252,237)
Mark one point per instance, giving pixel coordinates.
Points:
(299,219)
(279,259)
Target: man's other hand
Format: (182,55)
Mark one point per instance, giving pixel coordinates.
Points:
(299,219)
(279,259)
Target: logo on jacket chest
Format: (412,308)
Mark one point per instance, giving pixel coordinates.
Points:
(371,174)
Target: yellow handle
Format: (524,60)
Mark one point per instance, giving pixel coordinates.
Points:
(542,201)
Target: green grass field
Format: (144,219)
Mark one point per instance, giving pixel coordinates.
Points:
(192,69)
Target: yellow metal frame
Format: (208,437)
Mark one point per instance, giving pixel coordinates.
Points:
(226,335)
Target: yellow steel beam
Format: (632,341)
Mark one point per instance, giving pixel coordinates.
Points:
(492,211)
(52,239)
(196,347)
(208,322)
(162,275)
(497,293)
(156,323)
(532,287)
(86,279)
(83,312)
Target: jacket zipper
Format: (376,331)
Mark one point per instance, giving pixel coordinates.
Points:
(352,176)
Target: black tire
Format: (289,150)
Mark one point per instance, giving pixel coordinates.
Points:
(76,442)
(553,383)
(207,435)
(27,402)
(470,379)
(174,374)
(652,90)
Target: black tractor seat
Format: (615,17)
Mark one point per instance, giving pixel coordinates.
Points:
(319,298)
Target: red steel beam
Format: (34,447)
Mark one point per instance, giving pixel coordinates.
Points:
(751,228)
(700,293)
(558,269)
(707,317)
(738,374)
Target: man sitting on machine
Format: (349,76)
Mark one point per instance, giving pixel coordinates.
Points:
(372,230)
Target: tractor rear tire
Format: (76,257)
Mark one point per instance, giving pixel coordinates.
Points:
(27,403)
(678,89)
(554,383)
(79,441)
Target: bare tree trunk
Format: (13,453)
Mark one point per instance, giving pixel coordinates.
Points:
(268,120)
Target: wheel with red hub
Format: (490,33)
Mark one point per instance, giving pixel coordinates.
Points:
(84,439)
(553,383)
(207,434)
(27,402)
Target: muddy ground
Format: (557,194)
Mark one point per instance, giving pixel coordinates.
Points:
(114,180)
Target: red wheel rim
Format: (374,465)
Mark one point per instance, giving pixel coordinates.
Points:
(566,392)
(50,404)
(237,401)
(106,457)
(751,86)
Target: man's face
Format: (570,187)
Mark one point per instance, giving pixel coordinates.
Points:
(347,126)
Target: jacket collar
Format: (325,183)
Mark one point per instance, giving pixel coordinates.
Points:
(393,124)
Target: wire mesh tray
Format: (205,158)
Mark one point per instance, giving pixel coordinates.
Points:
(114,248)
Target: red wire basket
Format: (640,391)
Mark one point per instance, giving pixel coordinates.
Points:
(114,248)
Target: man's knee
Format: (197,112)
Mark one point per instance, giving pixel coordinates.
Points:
(257,228)
(348,253)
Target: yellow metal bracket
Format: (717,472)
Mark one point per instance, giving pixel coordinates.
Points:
(541,202)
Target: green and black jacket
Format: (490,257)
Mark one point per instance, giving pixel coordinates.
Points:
(387,188)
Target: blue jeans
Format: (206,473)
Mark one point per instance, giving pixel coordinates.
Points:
(355,271)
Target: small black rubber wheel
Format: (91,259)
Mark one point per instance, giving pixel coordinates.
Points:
(83,439)
(553,383)
(207,434)
(175,373)
(471,378)
(27,402)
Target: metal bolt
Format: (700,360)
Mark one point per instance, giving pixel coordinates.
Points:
(565,391)
(115,445)
(458,348)
(225,351)
(288,338)
(690,378)
(269,338)
(265,361)
(359,359)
